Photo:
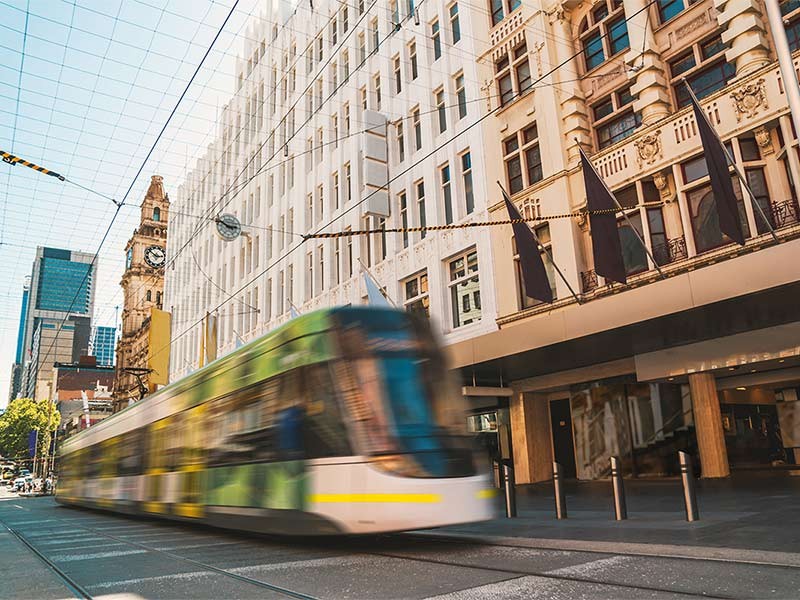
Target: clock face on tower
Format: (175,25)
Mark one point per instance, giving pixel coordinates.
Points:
(155,256)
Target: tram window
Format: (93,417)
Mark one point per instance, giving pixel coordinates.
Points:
(130,453)
(93,468)
(325,431)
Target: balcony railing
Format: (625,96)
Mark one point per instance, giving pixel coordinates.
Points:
(785,213)
(670,251)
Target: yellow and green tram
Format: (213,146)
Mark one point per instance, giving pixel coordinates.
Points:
(340,421)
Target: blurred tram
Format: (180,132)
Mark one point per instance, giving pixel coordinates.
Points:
(341,421)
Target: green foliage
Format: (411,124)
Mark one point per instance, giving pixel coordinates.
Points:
(22,416)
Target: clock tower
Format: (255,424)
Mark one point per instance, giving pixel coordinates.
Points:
(143,287)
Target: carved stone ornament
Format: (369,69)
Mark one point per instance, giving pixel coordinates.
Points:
(583,218)
(691,26)
(764,141)
(749,98)
(648,148)
(661,182)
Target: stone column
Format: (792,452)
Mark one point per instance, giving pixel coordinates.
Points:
(708,425)
(744,30)
(573,104)
(646,68)
(530,436)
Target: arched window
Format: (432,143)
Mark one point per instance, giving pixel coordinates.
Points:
(149,296)
(156,214)
(604,33)
(158,298)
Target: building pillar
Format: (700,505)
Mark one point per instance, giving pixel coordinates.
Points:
(645,66)
(708,425)
(573,104)
(744,31)
(531,438)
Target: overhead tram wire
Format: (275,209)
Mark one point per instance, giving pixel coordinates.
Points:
(320,69)
(357,204)
(122,202)
(16,115)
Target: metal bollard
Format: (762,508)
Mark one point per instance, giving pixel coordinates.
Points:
(511,493)
(689,492)
(620,509)
(558,489)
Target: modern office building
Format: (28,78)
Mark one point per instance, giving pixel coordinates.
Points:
(350,117)
(58,316)
(102,345)
(16,369)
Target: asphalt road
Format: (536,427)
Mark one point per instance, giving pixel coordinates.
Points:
(48,551)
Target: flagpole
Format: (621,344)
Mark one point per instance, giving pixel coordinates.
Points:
(380,289)
(625,215)
(732,163)
(545,250)
(784,53)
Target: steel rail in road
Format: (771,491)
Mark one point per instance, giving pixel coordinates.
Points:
(72,585)
(81,592)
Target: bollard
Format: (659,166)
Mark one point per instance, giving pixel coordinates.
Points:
(511,498)
(558,485)
(689,492)
(620,509)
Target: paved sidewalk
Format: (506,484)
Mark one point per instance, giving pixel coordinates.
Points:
(749,511)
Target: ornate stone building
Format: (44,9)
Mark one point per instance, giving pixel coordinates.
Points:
(143,286)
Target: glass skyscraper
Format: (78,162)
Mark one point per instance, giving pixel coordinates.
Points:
(102,345)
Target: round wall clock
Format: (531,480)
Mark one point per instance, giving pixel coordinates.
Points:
(155,256)
(228,227)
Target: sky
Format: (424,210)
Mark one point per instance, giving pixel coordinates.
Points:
(85,89)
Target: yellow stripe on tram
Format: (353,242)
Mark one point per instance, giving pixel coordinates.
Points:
(376,498)
(485,494)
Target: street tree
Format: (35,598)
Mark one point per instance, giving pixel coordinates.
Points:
(22,416)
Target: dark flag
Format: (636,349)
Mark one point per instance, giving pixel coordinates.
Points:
(721,185)
(606,247)
(533,272)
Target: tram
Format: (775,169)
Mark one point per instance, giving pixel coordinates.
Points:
(341,421)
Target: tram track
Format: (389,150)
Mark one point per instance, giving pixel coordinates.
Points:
(399,547)
(82,592)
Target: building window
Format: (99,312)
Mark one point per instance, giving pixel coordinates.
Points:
(362,48)
(447,195)
(614,118)
(345,20)
(403,202)
(705,69)
(401,144)
(466,174)
(437,40)
(604,33)
(376,83)
(363,94)
(465,291)
(376,40)
(337,261)
(335,189)
(455,25)
(334,30)
(500,8)
(520,149)
(415,295)
(513,74)
(347,188)
(417,126)
(398,82)
(349,256)
(309,276)
(441,111)
(412,57)
(461,95)
(421,217)
(670,8)
(335,131)
(543,235)
(320,283)
(156,214)
(345,66)
(791,12)
(346,112)
(394,9)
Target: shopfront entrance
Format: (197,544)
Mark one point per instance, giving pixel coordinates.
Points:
(492,433)
(561,428)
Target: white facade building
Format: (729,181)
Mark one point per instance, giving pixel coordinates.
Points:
(291,147)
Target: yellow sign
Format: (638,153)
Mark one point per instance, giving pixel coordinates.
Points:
(158,345)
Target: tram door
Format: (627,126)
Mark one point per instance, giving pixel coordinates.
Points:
(191,467)
(154,473)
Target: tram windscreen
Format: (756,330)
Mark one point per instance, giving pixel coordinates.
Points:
(406,413)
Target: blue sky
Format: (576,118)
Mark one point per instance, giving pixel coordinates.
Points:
(85,93)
